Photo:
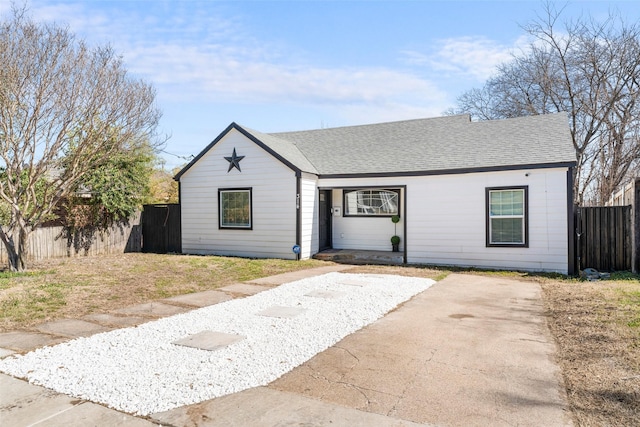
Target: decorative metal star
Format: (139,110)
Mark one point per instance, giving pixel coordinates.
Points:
(234,161)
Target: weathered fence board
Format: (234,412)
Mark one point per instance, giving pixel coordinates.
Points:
(605,238)
(161,229)
(636,227)
(56,242)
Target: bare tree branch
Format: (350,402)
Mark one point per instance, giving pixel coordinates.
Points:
(65,108)
(589,70)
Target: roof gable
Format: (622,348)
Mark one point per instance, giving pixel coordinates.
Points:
(257,137)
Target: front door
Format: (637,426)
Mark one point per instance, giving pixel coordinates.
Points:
(324,221)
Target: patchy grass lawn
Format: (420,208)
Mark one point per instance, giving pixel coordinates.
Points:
(74,287)
(596,324)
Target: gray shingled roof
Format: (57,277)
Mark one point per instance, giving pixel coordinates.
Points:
(427,145)
(442,144)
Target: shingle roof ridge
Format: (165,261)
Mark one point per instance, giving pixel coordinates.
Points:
(438,143)
(522,118)
(467,117)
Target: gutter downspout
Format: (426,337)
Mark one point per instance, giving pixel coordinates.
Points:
(404,207)
(572,230)
(180,211)
(298,213)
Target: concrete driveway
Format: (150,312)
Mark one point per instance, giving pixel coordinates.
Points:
(469,351)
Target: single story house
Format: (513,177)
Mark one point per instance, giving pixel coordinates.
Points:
(490,194)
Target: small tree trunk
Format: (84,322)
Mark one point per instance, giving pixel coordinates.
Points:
(16,253)
(12,252)
(23,248)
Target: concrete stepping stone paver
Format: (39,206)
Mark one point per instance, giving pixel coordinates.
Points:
(155,309)
(376,276)
(359,283)
(292,276)
(4,352)
(119,321)
(325,294)
(93,414)
(244,289)
(200,299)
(24,404)
(26,341)
(72,328)
(209,340)
(282,312)
(267,407)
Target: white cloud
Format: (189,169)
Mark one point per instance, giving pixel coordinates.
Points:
(208,61)
(207,54)
(474,57)
(243,76)
(390,111)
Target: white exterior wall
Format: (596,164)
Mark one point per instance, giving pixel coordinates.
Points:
(309,215)
(273,202)
(446,220)
(365,233)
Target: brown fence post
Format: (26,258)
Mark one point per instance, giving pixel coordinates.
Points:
(636,226)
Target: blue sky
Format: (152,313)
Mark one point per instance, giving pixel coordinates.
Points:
(291,65)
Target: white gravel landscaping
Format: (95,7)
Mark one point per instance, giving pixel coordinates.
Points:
(138,370)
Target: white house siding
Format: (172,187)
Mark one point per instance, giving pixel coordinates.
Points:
(309,215)
(446,220)
(273,202)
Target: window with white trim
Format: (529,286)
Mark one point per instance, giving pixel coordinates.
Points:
(507,216)
(371,202)
(235,208)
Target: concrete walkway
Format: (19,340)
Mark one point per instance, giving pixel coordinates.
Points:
(471,350)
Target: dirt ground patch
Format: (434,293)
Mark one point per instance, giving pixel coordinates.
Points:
(409,271)
(597,328)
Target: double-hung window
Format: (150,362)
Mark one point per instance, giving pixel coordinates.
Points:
(507,216)
(235,208)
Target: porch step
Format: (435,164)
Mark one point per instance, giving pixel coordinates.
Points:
(352,256)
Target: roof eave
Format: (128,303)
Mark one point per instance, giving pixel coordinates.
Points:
(269,150)
(450,171)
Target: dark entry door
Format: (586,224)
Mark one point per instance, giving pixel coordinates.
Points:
(324,221)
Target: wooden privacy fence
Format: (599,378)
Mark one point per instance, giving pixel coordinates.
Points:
(57,242)
(161,229)
(157,229)
(605,238)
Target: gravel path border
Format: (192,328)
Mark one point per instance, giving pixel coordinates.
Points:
(138,370)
